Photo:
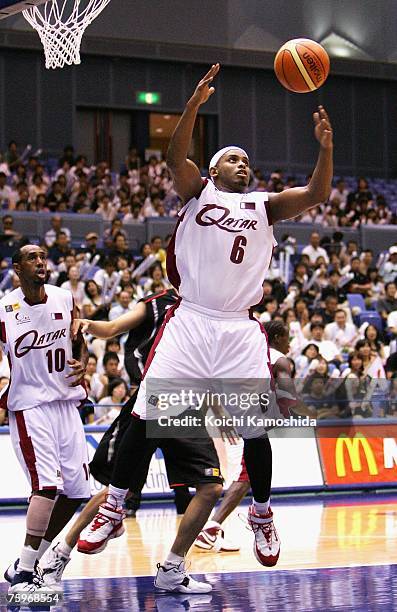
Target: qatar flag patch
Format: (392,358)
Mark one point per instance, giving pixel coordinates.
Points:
(247,205)
(56,316)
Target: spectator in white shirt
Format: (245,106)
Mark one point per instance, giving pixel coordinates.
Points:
(56,227)
(100,381)
(106,277)
(392,322)
(339,194)
(109,407)
(124,305)
(106,209)
(313,250)
(340,332)
(75,285)
(113,346)
(389,271)
(327,348)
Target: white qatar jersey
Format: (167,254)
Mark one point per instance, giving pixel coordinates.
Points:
(221,249)
(37,342)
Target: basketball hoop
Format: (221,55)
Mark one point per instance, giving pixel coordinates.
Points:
(61,25)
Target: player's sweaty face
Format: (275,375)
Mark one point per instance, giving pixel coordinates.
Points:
(234,169)
(33,266)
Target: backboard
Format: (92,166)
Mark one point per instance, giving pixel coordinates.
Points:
(11,7)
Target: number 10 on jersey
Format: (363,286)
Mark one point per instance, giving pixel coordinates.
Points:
(56,360)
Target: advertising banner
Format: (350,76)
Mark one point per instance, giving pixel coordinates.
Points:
(296,465)
(359,454)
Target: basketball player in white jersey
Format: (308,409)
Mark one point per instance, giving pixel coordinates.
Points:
(211,538)
(44,392)
(217,259)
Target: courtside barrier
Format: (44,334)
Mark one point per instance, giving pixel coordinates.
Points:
(336,456)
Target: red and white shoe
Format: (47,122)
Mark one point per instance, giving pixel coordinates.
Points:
(106,525)
(267,542)
(212,539)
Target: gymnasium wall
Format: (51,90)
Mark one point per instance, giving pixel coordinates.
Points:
(261,25)
(38,106)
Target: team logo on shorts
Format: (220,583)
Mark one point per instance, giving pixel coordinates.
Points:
(153,400)
(212,472)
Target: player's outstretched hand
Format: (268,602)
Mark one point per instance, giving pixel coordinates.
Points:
(204,90)
(229,434)
(79,325)
(77,372)
(322,128)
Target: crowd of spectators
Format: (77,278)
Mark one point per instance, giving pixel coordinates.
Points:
(138,191)
(344,350)
(143,188)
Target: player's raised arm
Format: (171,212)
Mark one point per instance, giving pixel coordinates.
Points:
(110,329)
(294,201)
(186,175)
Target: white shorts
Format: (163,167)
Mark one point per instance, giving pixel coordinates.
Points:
(202,345)
(50,445)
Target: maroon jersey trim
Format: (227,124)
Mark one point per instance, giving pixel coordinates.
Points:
(4,397)
(154,297)
(251,316)
(149,360)
(3,334)
(203,186)
(172,270)
(243,476)
(167,317)
(27,449)
(268,213)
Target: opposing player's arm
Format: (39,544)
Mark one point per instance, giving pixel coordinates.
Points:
(286,393)
(78,364)
(110,329)
(294,201)
(185,174)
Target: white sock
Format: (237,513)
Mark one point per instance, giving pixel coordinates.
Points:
(44,546)
(261,507)
(27,559)
(64,548)
(173,559)
(117,494)
(210,524)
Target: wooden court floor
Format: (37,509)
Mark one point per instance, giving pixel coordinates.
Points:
(314,533)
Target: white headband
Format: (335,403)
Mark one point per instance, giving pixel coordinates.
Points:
(221,152)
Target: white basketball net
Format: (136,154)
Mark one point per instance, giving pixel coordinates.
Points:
(61,25)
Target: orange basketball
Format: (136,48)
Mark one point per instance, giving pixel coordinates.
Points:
(301,65)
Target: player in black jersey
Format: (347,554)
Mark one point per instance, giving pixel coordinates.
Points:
(142,323)
(140,338)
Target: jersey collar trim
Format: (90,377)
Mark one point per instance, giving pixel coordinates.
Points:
(29,303)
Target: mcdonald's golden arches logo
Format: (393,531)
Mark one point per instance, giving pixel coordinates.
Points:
(353,446)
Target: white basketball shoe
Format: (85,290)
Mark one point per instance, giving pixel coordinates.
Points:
(53,567)
(175,578)
(267,542)
(212,539)
(106,525)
